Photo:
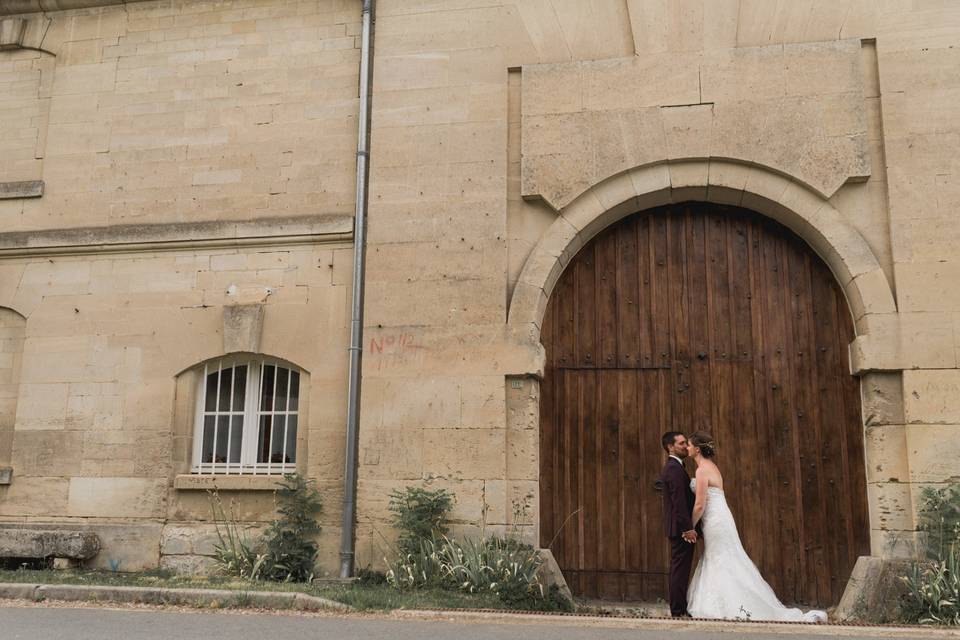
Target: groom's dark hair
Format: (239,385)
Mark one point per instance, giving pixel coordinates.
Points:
(669,438)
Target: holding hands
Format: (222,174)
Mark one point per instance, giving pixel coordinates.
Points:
(690,536)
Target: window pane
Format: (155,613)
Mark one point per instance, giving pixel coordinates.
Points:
(225,374)
(294,390)
(263,439)
(266,398)
(211,401)
(206,445)
(276,445)
(291,438)
(223,433)
(280,403)
(236,437)
(239,387)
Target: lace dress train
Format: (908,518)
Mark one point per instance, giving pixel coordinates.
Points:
(726,583)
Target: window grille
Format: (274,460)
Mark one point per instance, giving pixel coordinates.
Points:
(247,417)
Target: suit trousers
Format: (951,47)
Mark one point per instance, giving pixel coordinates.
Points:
(681,559)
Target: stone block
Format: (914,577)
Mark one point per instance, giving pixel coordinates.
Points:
(421,403)
(117,497)
(35,497)
(891,506)
(874,591)
(242,328)
(11,33)
(930,396)
(550,574)
(47,453)
(251,507)
(188,564)
(393,453)
(751,73)
(22,189)
(886,452)
(933,451)
(882,395)
(17,542)
(480,453)
(688,130)
(42,406)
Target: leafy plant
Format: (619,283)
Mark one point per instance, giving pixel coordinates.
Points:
(370,577)
(933,592)
(933,588)
(291,549)
(939,520)
(233,553)
(419,515)
(504,567)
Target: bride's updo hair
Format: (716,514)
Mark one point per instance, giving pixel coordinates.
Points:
(704,441)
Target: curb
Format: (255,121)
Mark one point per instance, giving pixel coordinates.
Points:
(686,624)
(159,595)
(304,602)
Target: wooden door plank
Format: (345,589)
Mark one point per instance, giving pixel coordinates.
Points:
(588,476)
(548,435)
(633,524)
(698,395)
(607,299)
(660,318)
(682,410)
(628,324)
(816,581)
(586,303)
(609,526)
(769,485)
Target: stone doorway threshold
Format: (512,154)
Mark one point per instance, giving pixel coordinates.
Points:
(659,609)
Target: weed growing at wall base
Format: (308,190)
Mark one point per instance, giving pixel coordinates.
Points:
(933,587)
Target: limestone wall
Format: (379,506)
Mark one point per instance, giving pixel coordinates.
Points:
(181,111)
(198,155)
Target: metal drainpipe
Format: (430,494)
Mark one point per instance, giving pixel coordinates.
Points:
(347,533)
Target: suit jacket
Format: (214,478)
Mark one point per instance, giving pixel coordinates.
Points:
(678,499)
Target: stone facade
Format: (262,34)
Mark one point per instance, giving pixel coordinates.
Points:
(196,166)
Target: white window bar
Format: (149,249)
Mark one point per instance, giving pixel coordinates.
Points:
(286,420)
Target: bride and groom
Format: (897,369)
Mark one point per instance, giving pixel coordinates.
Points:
(726,583)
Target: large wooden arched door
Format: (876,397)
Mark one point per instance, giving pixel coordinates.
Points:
(696,316)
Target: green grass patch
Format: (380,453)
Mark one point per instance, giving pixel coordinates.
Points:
(379,597)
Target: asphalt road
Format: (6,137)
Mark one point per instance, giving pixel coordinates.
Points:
(61,623)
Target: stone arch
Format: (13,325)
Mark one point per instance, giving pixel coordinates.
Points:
(198,364)
(793,204)
(12,335)
(797,206)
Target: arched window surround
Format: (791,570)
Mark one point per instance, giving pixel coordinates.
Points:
(246,415)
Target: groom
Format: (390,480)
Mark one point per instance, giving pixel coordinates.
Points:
(678,502)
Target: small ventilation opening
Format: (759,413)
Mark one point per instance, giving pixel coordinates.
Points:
(12,564)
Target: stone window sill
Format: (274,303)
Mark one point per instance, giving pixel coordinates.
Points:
(193,482)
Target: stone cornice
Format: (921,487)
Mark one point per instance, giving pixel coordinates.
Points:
(307,229)
(13,7)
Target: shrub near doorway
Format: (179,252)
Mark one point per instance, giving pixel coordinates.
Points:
(933,587)
(427,558)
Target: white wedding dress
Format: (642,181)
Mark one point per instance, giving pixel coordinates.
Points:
(726,583)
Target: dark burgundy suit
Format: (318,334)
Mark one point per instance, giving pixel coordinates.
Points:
(678,502)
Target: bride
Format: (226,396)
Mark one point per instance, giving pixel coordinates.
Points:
(726,583)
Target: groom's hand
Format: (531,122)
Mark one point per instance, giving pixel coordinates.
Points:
(690,536)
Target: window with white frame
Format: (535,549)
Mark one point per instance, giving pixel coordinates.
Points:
(247,417)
